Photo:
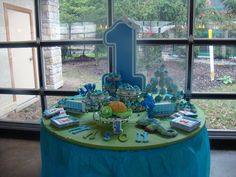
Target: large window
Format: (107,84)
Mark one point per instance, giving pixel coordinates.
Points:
(56,46)
(157,19)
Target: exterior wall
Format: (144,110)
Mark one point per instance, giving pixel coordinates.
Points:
(6,101)
(5,77)
(52,55)
(29,4)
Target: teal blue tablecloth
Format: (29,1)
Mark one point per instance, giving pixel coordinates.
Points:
(190,158)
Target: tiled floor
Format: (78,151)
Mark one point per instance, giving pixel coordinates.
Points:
(223,163)
(21,158)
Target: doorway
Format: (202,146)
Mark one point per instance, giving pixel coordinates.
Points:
(22,61)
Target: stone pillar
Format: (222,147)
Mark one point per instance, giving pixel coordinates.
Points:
(52,55)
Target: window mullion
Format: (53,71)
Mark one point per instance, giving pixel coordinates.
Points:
(110,14)
(40,55)
(190,49)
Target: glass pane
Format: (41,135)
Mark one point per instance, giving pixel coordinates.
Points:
(17,20)
(70,67)
(157,19)
(150,58)
(20,108)
(52,100)
(216,75)
(71,20)
(218,16)
(19,68)
(219,114)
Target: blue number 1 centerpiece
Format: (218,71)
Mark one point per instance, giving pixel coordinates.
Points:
(122,38)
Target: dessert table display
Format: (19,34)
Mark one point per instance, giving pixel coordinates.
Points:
(65,154)
(128,128)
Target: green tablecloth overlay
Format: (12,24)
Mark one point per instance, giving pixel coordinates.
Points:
(155,140)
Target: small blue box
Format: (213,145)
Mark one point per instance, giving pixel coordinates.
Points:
(185,123)
(75,106)
(62,121)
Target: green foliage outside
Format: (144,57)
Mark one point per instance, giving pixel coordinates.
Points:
(162,10)
(152,11)
(173,10)
(95,11)
(209,16)
(227,80)
(230,5)
(82,10)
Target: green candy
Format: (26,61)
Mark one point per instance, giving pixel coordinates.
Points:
(123,114)
(106,111)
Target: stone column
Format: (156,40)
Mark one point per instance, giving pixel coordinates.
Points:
(52,55)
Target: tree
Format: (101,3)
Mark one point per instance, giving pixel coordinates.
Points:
(147,10)
(80,10)
(153,11)
(230,5)
(174,11)
(200,5)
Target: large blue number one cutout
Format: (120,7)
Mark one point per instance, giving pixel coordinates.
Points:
(122,38)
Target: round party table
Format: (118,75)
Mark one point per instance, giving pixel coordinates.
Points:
(65,154)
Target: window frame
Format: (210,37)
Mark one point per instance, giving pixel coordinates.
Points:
(190,42)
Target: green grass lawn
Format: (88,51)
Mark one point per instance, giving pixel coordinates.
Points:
(220,114)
